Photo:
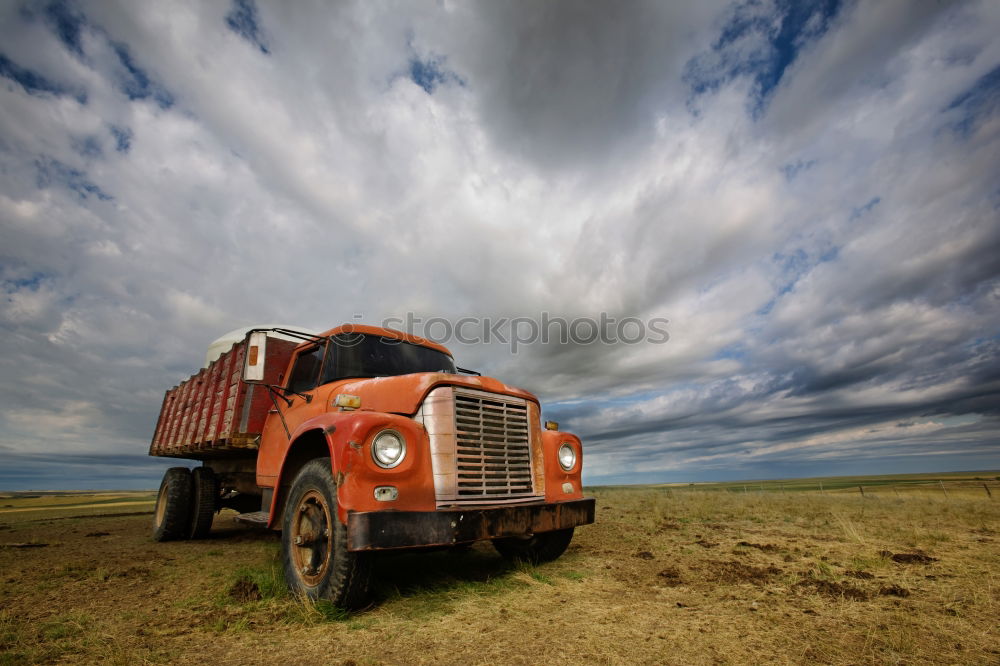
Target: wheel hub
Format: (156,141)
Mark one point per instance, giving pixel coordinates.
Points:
(312,547)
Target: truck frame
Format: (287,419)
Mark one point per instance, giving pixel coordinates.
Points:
(363,440)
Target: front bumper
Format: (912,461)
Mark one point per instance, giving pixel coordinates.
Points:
(384,530)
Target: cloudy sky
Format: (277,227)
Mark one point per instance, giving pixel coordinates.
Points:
(808,192)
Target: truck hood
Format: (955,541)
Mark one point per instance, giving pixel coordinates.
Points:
(404,393)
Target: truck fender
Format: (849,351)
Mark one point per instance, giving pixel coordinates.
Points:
(556,477)
(341,436)
(314,438)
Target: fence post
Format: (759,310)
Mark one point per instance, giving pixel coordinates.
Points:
(896,490)
(862,491)
(821,488)
(987,489)
(943,489)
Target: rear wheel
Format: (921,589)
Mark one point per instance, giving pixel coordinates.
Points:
(173,505)
(538,548)
(314,542)
(204,501)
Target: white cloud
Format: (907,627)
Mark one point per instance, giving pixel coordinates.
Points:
(827,263)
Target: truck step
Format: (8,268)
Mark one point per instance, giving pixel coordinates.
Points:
(254,519)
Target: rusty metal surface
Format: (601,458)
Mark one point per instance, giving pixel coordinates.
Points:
(384,530)
(485,447)
(214,413)
(437,414)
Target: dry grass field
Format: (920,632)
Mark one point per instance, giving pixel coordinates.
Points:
(675,574)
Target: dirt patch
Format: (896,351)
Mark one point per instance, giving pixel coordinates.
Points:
(244,591)
(860,575)
(135,572)
(893,591)
(670,577)
(829,588)
(737,572)
(704,543)
(97,534)
(645,555)
(908,558)
(30,544)
(670,526)
(765,547)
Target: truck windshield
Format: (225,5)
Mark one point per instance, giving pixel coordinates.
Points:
(363,355)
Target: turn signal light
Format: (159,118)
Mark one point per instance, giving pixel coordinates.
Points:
(551,425)
(347,402)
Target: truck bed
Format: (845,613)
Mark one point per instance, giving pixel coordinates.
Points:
(214,414)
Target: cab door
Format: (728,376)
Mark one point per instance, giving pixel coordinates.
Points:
(300,406)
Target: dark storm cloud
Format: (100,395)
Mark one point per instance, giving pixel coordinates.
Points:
(560,83)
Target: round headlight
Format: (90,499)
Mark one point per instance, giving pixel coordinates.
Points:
(388,449)
(567,456)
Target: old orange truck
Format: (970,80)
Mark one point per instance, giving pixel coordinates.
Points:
(363,440)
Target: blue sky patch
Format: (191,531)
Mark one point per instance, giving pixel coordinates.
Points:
(430,73)
(861,210)
(122,137)
(735,352)
(33,281)
(244,20)
(51,172)
(790,171)
(88,147)
(137,84)
(67,22)
(32,82)
(760,46)
(977,103)
(426,73)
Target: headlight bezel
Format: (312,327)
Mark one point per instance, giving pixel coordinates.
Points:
(573,457)
(396,462)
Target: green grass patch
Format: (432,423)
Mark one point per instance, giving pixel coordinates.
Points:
(572,575)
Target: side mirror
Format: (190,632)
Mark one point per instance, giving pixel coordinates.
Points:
(253,367)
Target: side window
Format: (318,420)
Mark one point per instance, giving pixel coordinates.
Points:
(306,371)
(330,366)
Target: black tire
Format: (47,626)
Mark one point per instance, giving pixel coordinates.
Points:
(538,548)
(204,501)
(314,542)
(173,505)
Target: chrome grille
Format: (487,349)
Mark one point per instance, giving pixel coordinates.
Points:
(484,446)
(493,448)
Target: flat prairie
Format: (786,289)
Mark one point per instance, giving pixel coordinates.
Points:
(673,574)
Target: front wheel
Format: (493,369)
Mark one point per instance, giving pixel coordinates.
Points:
(314,542)
(538,548)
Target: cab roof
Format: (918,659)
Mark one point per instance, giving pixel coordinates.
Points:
(387,333)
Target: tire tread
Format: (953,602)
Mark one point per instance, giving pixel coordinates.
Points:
(177,511)
(204,500)
(346,584)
